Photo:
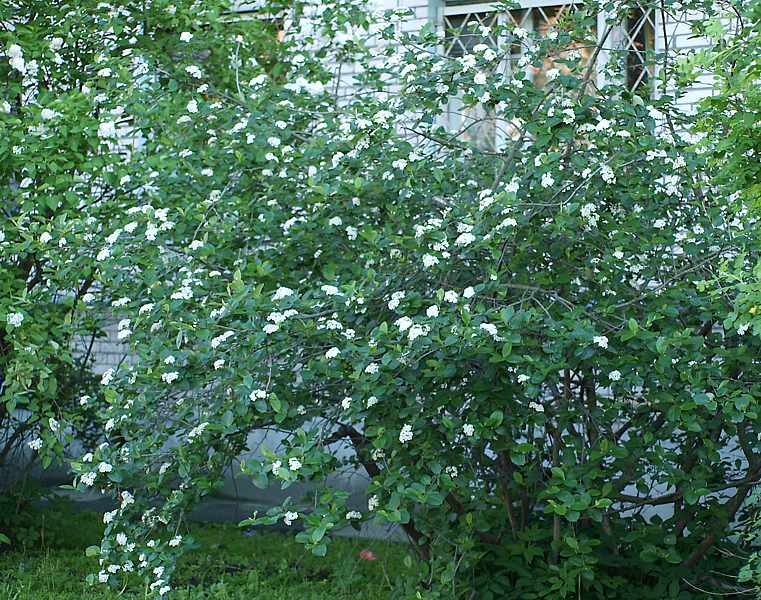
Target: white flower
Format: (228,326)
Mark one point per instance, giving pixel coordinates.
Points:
(429,261)
(290,517)
(54,425)
(469,292)
(607,174)
(257,395)
(351,232)
(186,36)
(127,499)
(536,406)
(104,467)
(88,479)
(332,353)
(184,293)
(169,377)
(396,298)
(353,514)
(107,376)
(601,341)
(56,43)
(451,297)
(35,444)
(418,330)
(614,375)
(273,141)
(547,180)
(468,429)
(405,435)
(175,541)
(489,328)
(15,319)
(346,403)
(523,378)
(192,107)
(451,471)
(330,290)
(480,78)
(87,457)
(193,71)
(371,369)
(270,328)
(219,363)
(45,238)
(215,342)
(16,56)
(121,539)
(120,302)
(145,308)
(432,311)
(373,502)
(46,114)
(403,323)
(294,464)
(465,239)
(372,401)
(282,292)
(196,431)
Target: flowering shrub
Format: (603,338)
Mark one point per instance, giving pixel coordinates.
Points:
(510,336)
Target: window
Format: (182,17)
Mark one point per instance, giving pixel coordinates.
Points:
(464,31)
(639,45)
(467,24)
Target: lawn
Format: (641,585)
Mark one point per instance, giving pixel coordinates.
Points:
(228,565)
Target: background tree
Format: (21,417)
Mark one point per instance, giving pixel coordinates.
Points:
(56,168)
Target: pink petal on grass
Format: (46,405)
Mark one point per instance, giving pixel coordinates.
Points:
(367,555)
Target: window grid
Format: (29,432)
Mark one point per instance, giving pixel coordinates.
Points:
(468,23)
(635,38)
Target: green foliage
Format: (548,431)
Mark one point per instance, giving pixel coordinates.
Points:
(51,166)
(514,338)
(729,123)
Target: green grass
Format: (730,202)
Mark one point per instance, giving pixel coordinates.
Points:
(227,565)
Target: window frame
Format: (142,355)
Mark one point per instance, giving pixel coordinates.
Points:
(619,36)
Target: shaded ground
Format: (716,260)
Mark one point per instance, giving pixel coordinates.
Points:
(228,564)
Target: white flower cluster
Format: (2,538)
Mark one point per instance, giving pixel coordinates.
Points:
(15,319)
